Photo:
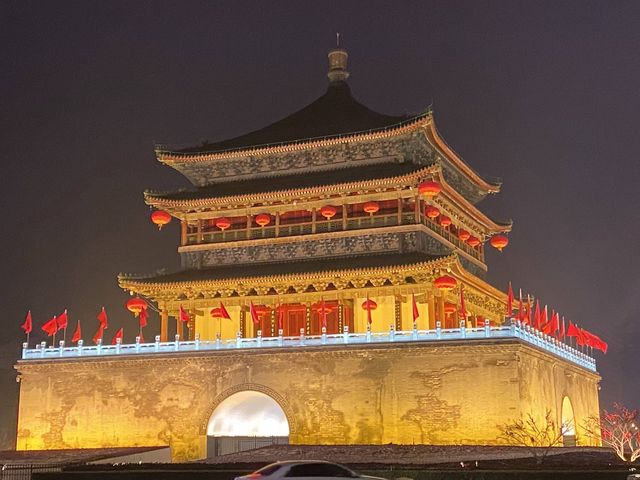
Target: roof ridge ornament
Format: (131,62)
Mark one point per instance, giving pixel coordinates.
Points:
(338,63)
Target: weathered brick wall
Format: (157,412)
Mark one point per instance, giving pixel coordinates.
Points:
(402,393)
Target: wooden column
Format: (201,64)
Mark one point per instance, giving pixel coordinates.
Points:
(313,220)
(399,210)
(416,210)
(273,321)
(307,317)
(164,325)
(199,231)
(179,327)
(440,309)
(183,232)
(340,316)
(277,230)
(397,304)
(243,323)
(248,226)
(344,215)
(431,308)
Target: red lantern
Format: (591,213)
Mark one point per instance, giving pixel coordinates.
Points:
(463,235)
(473,241)
(369,305)
(217,313)
(450,308)
(136,305)
(499,241)
(263,219)
(160,218)
(371,207)
(429,188)
(431,212)
(328,211)
(445,221)
(445,282)
(223,223)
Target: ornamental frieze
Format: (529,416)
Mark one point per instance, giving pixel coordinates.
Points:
(413,148)
(357,244)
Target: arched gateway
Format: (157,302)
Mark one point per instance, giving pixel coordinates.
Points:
(244,420)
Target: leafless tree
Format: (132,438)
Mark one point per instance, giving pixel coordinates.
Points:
(540,437)
(618,429)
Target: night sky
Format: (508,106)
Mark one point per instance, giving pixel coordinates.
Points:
(544,95)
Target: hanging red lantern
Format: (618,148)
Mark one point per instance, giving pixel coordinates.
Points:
(429,188)
(450,308)
(499,241)
(445,221)
(263,219)
(473,241)
(371,207)
(431,212)
(463,235)
(223,223)
(217,313)
(136,305)
(369,304)
(160,218)
(445,282)
(328,211)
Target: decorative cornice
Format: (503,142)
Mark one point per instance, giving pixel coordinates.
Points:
(170,157)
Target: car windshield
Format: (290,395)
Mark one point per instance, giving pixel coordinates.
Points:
(268,470)
(320,470)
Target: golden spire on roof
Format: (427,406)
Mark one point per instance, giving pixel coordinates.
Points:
(338,63)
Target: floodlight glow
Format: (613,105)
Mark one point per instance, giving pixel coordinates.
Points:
(248,414)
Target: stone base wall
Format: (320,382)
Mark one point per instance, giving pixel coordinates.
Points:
(448,393)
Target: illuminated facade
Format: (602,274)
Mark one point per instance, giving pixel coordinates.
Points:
(354,236)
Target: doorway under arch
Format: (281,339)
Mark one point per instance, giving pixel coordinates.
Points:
(568,424)
(245,420)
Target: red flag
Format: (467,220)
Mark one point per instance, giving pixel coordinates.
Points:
(520,308)
(551,327)
(416,312)
(62,320)
(99,333)
(537,321)
(102,318)
(117,336)
(142,318)
(510,301)
(254,314)
(51,327)
(77,335)
(27,326)
(581,338)
(572,331)
(224,312)
(463,311)
(544,318)
(184,316)
(528,310)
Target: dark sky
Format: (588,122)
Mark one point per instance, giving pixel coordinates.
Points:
(542,94)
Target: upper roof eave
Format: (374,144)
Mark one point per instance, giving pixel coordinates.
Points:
(434,137)
(171,157)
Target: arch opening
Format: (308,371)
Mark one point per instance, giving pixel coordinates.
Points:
(246,420)
(568,425)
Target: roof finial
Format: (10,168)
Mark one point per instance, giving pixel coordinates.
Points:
(338,63)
